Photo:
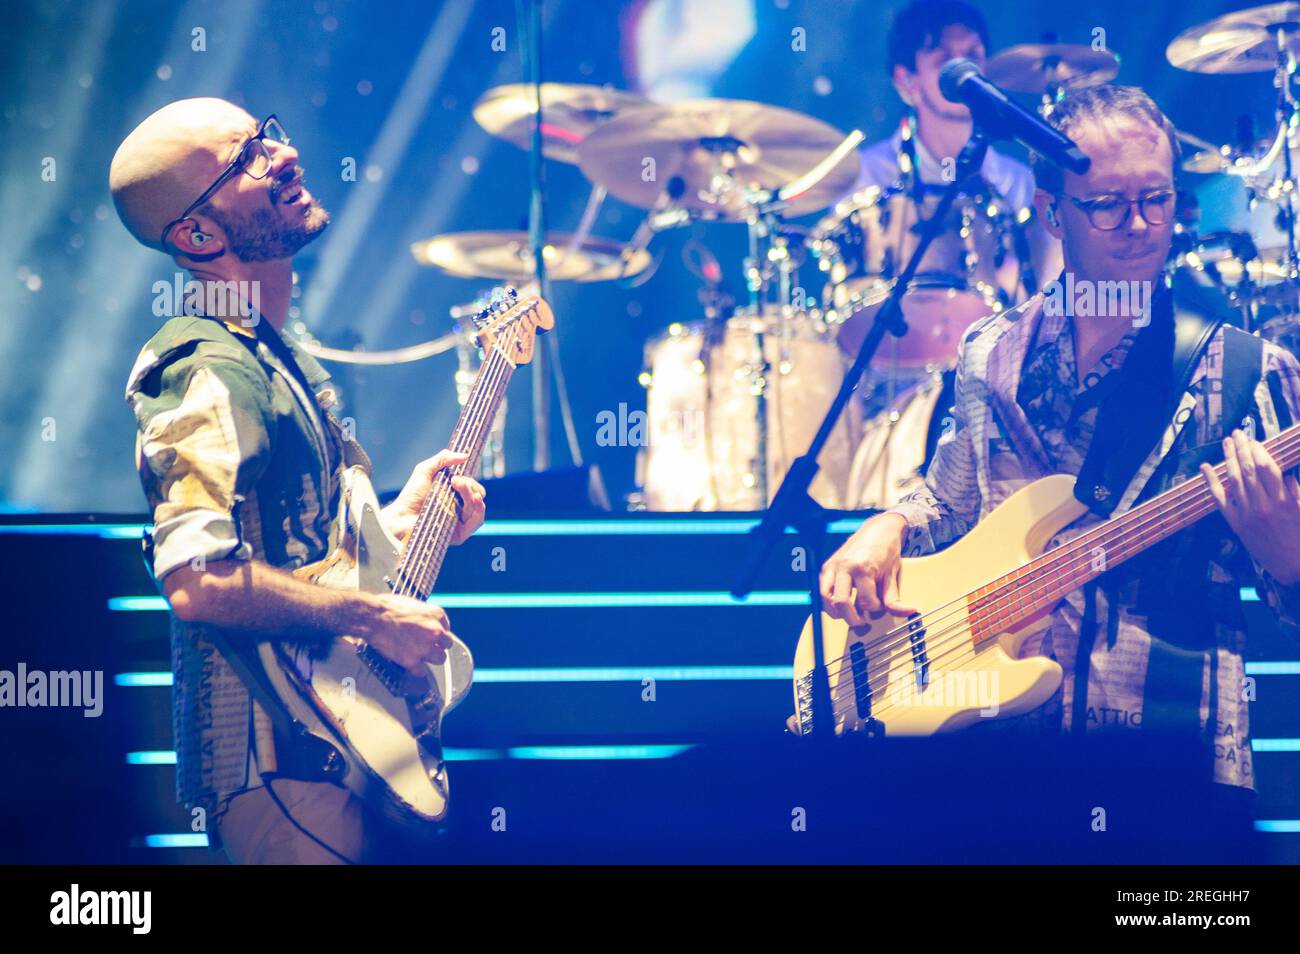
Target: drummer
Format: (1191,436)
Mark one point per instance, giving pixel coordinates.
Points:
(924,36)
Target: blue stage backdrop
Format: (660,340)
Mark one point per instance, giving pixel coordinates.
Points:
(388,87)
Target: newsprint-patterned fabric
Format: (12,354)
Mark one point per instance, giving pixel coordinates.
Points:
(240,459)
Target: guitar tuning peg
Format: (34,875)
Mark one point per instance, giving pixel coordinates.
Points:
(498,301)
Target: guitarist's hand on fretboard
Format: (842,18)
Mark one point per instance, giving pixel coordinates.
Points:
(399,516)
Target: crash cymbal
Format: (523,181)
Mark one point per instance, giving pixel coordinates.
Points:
(570,111)
(1214,159)
(716,149)
(1196,142)
(1033,67)
(508,255)
(1240,42)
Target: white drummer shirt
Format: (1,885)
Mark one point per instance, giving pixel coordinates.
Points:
(880,167)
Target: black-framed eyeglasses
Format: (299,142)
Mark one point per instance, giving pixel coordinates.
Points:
(253,159)
(1108,213)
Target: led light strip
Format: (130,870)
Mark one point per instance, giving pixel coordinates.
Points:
(684,598)
(1272,826)
(614,527)
(572,674)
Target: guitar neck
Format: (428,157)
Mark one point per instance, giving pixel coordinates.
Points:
(1042,583)
(426,546)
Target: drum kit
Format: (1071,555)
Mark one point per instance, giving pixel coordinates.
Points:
(735,395)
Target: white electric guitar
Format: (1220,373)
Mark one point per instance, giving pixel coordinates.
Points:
(955,661)
(377,725)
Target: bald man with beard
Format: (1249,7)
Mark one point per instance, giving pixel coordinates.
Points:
(240,455)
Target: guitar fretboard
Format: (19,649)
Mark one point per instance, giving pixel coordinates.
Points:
(1038,586)
(426,547)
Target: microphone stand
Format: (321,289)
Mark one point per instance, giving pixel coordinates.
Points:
(541,370)
(793,506)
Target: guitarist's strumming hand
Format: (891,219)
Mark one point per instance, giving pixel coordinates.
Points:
(399,516)
(1260,504)
(860,580)
(408,631)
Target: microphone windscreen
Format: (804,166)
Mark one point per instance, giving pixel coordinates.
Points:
(954,73)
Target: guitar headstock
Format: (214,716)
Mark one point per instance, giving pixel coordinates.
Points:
(511,324)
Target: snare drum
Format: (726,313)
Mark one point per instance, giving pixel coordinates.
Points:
(702,411)
(969,271)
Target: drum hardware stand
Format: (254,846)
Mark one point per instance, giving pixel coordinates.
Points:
(718,306)
(793,505)
(546,361)
(1287,117)
(769,268)
(757,277)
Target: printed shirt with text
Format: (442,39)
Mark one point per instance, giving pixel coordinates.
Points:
(238,462)
(1012,423)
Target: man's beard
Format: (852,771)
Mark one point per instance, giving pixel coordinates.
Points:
(263,236)
(953,112)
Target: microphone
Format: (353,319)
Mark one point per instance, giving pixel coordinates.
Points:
(961,81)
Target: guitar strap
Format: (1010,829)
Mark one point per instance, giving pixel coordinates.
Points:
(1129,424)
(298,753)
(1142,400)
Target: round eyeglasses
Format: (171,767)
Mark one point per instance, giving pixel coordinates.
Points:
(253,160)
(1111,212)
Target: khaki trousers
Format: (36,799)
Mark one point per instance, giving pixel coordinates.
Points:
(254,830)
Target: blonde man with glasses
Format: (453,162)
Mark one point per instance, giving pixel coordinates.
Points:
(1155,645)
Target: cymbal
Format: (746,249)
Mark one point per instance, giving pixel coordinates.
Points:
(1247,164)
(1033,67)
(1270,267)
(570,111)
(1211,160)
(508,255)
(1240,42)
(636,154)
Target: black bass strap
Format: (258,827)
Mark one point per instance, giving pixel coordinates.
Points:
(1134,414)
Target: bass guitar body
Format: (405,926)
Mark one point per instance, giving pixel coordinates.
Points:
(385,721)
(937,670)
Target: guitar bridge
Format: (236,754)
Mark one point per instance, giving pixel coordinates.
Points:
(920,661)
(803,704)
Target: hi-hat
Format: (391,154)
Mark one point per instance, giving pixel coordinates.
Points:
(1269,268)
(1242,42)
(509,256)
(1034,67)
(719,150)
(570,111)
(1220,159)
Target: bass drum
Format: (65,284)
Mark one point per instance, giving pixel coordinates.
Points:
(702,411)
(898,443)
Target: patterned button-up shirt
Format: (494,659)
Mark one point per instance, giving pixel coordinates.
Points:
(1020,413)
(239,461)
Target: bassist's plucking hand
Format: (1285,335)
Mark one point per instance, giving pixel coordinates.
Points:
(860,580)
